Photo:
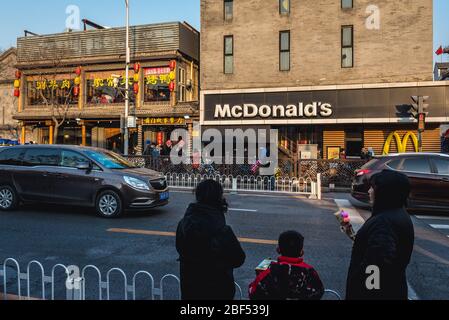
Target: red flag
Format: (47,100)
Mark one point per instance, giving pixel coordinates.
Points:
(440,51)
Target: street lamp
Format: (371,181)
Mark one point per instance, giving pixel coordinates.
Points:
(126,130)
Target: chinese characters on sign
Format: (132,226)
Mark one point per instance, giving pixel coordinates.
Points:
(157,84)
(165,121)
(43,91)
(161,75)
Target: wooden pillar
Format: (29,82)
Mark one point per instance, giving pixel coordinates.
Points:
(190,142)
(50,134)
(21,99)
(139,139)
(83,135)
(140,94)
(23,135)
(82,90)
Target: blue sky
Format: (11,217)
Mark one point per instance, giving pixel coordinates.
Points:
(48,16)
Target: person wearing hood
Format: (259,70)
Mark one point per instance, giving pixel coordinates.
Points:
(208,249)
(384,245)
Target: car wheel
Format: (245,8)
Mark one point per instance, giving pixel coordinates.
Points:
(109,204)
(8,198)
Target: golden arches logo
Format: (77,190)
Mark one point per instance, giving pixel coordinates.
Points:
(401,143)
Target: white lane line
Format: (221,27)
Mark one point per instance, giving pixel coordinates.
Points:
(440,226)
(432,218)
(357,222)
(242,210)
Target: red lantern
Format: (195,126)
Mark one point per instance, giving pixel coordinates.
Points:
(171,86)
(136,67)
(18,74)
(172,65)
(76,91)
(78,71)
(136,88)
(16,93)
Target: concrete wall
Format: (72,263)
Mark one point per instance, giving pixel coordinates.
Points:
(401,50)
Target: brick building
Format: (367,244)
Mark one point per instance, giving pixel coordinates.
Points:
(333,74)
(78,79)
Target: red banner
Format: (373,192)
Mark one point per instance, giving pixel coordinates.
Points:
(157,71)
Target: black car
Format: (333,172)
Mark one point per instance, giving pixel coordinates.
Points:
(82,176)
(428,174)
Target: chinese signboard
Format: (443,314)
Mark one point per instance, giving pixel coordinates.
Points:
(55,91)
(165,121)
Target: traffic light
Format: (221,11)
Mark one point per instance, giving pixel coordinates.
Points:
(419,111)
(419,106)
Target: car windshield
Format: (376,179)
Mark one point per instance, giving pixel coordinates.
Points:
(110,160)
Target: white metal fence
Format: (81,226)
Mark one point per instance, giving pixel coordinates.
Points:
(299,186)
(75,285)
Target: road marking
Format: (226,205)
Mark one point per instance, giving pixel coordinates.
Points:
(173,234)
(243,210)
(432,218)
(144,232)
(440,226)
(357,222)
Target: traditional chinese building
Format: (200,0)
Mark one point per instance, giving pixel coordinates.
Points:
(329,75)
(72,85)
(8,105)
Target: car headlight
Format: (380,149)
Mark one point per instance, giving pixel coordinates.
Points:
(137,184)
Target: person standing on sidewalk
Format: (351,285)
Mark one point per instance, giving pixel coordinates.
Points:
(208,249)
(384,245)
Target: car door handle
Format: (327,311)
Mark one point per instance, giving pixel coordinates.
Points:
(445,180)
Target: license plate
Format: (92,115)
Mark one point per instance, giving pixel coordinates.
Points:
(165,196)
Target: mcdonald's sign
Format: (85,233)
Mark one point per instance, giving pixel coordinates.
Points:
(401,142)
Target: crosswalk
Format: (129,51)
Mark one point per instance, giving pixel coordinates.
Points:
(439,223)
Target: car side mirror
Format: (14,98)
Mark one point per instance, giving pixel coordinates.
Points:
(87,166)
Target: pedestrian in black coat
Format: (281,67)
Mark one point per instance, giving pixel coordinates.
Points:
(385,241)
(208,249)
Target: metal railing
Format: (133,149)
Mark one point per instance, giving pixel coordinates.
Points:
(75,284)
(338,173)
(300,186)
(191,165)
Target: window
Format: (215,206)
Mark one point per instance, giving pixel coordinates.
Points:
(70,159)
(11,157)
(395,164)
(347,46)
(156,86)
(228,9)
(228,54)
(284,48)
(354,142)
(346,4)
(41,157)
(108,90)
(181,85)
(46,91)
(418,165)
(110,160)
(442,166)
(284,7)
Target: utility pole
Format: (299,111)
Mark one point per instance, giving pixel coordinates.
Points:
(419,112)
(128,61)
